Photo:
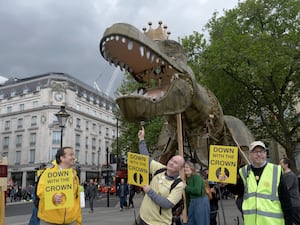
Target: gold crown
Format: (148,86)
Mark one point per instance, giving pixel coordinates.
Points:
(160,33)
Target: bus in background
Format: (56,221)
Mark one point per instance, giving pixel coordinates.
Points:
(108,179)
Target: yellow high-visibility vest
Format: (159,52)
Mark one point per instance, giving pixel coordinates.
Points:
(261,203)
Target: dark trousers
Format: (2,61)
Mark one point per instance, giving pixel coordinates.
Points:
(122,202)
(91,201)
(296,215)
(34,220)
(130,201)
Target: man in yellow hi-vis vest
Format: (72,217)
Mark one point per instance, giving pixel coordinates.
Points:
(264,193)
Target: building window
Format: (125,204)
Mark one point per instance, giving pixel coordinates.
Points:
(18,157)
(94,143)
(94,127)
(5,142)
(33,121)
(113,133)
(7,125)
(32,139)
(20,123)
(86,157)
(19,140)
(53,153)
(21,107)
(77,123)
(87,125)
(77,140)
(77,155)
(34,104)
(107,131)
(56,135)
(9,109)
(31,155)
(94,158)
(100,129)
(86,142)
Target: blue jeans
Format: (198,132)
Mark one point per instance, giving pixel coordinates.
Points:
(34,220)
(122,202)
(199,211)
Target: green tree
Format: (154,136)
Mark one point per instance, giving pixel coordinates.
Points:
(252,64)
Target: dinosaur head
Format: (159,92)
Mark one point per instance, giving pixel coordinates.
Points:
(154,61)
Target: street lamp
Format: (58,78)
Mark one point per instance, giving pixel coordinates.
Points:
(118,166)
(62,117)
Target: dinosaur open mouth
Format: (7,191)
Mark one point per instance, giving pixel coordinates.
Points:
(142,57)
(154,64)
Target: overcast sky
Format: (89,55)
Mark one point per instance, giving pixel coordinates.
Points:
(41,36)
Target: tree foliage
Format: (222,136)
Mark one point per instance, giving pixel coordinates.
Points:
(252,64)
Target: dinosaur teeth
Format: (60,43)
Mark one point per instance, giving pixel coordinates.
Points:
(130,45)
(116,63)
(117,38)
(123,40)
(152,58)
(148,54)
(142,51)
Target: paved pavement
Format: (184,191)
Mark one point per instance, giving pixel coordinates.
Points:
(113,215)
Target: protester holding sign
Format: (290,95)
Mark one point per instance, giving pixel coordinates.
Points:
(156,208)
(61,177)
(265,196)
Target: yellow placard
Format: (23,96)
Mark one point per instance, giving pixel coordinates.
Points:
(59,182)
(223,164)
(138,169)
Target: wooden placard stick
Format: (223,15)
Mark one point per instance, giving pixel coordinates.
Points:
(180,150)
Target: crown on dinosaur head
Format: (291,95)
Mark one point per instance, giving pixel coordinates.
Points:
(160,33)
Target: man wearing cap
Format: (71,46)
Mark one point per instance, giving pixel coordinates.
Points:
(265,196)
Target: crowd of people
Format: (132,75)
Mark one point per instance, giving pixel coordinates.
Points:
(266,193)
(15,193)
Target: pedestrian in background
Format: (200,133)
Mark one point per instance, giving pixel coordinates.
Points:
(131,195)
(91,193)
(197,203)
(292,184)
(122,192)
(65,159)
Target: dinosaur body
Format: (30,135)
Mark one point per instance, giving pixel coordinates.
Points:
(170,88)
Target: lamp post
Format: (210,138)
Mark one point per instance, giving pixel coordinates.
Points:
(118,167)
(62,117)
(107,178)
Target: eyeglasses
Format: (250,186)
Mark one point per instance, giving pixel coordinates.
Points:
(260,152)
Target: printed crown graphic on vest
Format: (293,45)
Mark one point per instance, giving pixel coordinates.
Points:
(158,34)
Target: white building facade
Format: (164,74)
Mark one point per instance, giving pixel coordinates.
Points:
(30,134)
